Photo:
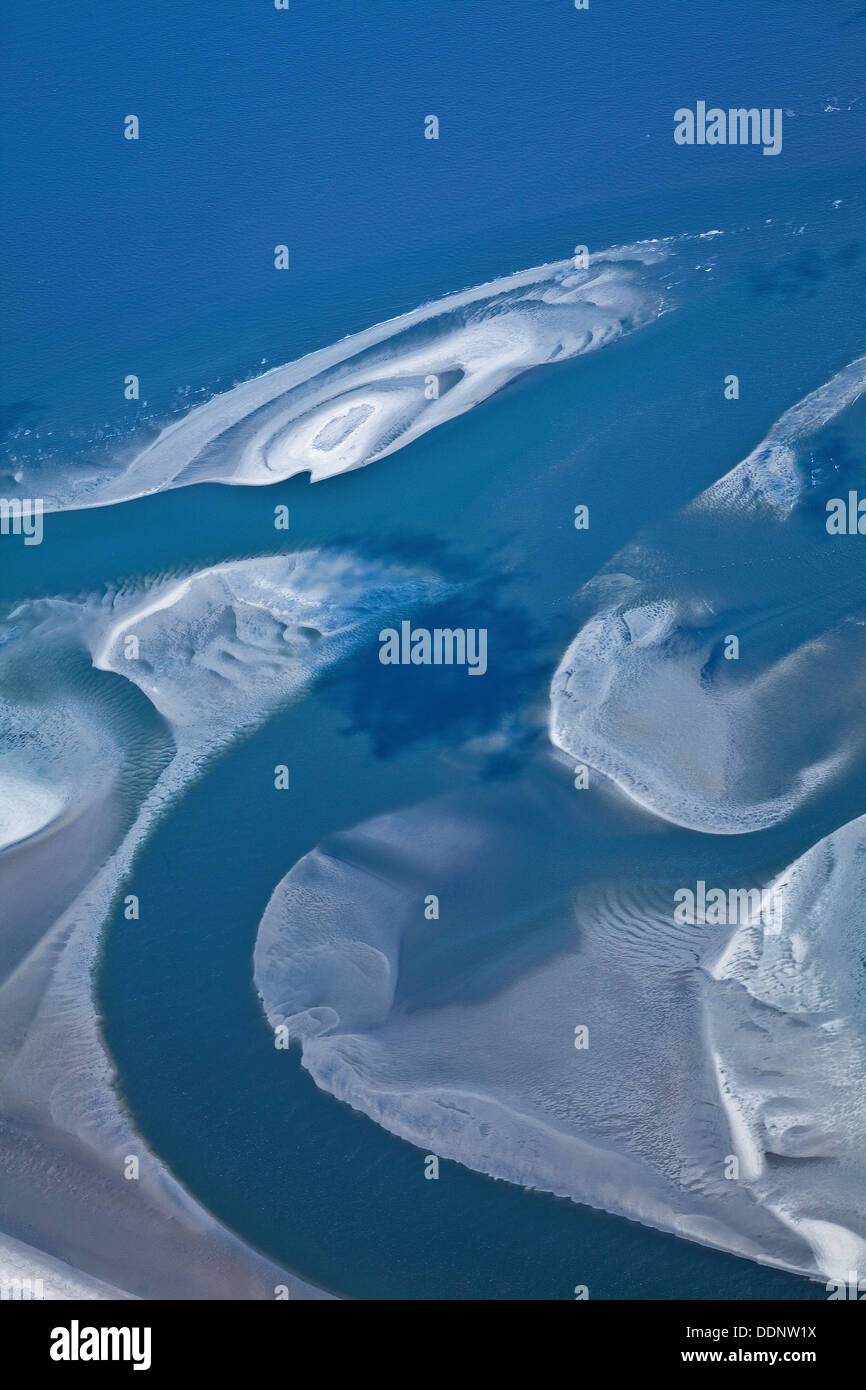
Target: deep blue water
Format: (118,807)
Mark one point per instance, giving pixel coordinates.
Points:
(261,127)
(305,127)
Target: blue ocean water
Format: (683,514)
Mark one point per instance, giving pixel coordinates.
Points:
(305,127)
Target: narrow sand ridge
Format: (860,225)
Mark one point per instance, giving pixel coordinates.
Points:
(357,401)
(647,692)
(771,474)
(215,653)
(458,1033)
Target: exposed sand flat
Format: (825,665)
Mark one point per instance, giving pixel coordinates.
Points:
(63,1141)
(146,1239)
(26,1273)
(723,693)
(360,399)
(25,808)
(769,477)
(40,877)
(459,1034)
(219,650)
(787,1026)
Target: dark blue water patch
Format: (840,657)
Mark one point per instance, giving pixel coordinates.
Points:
(808,264)
(397,704)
